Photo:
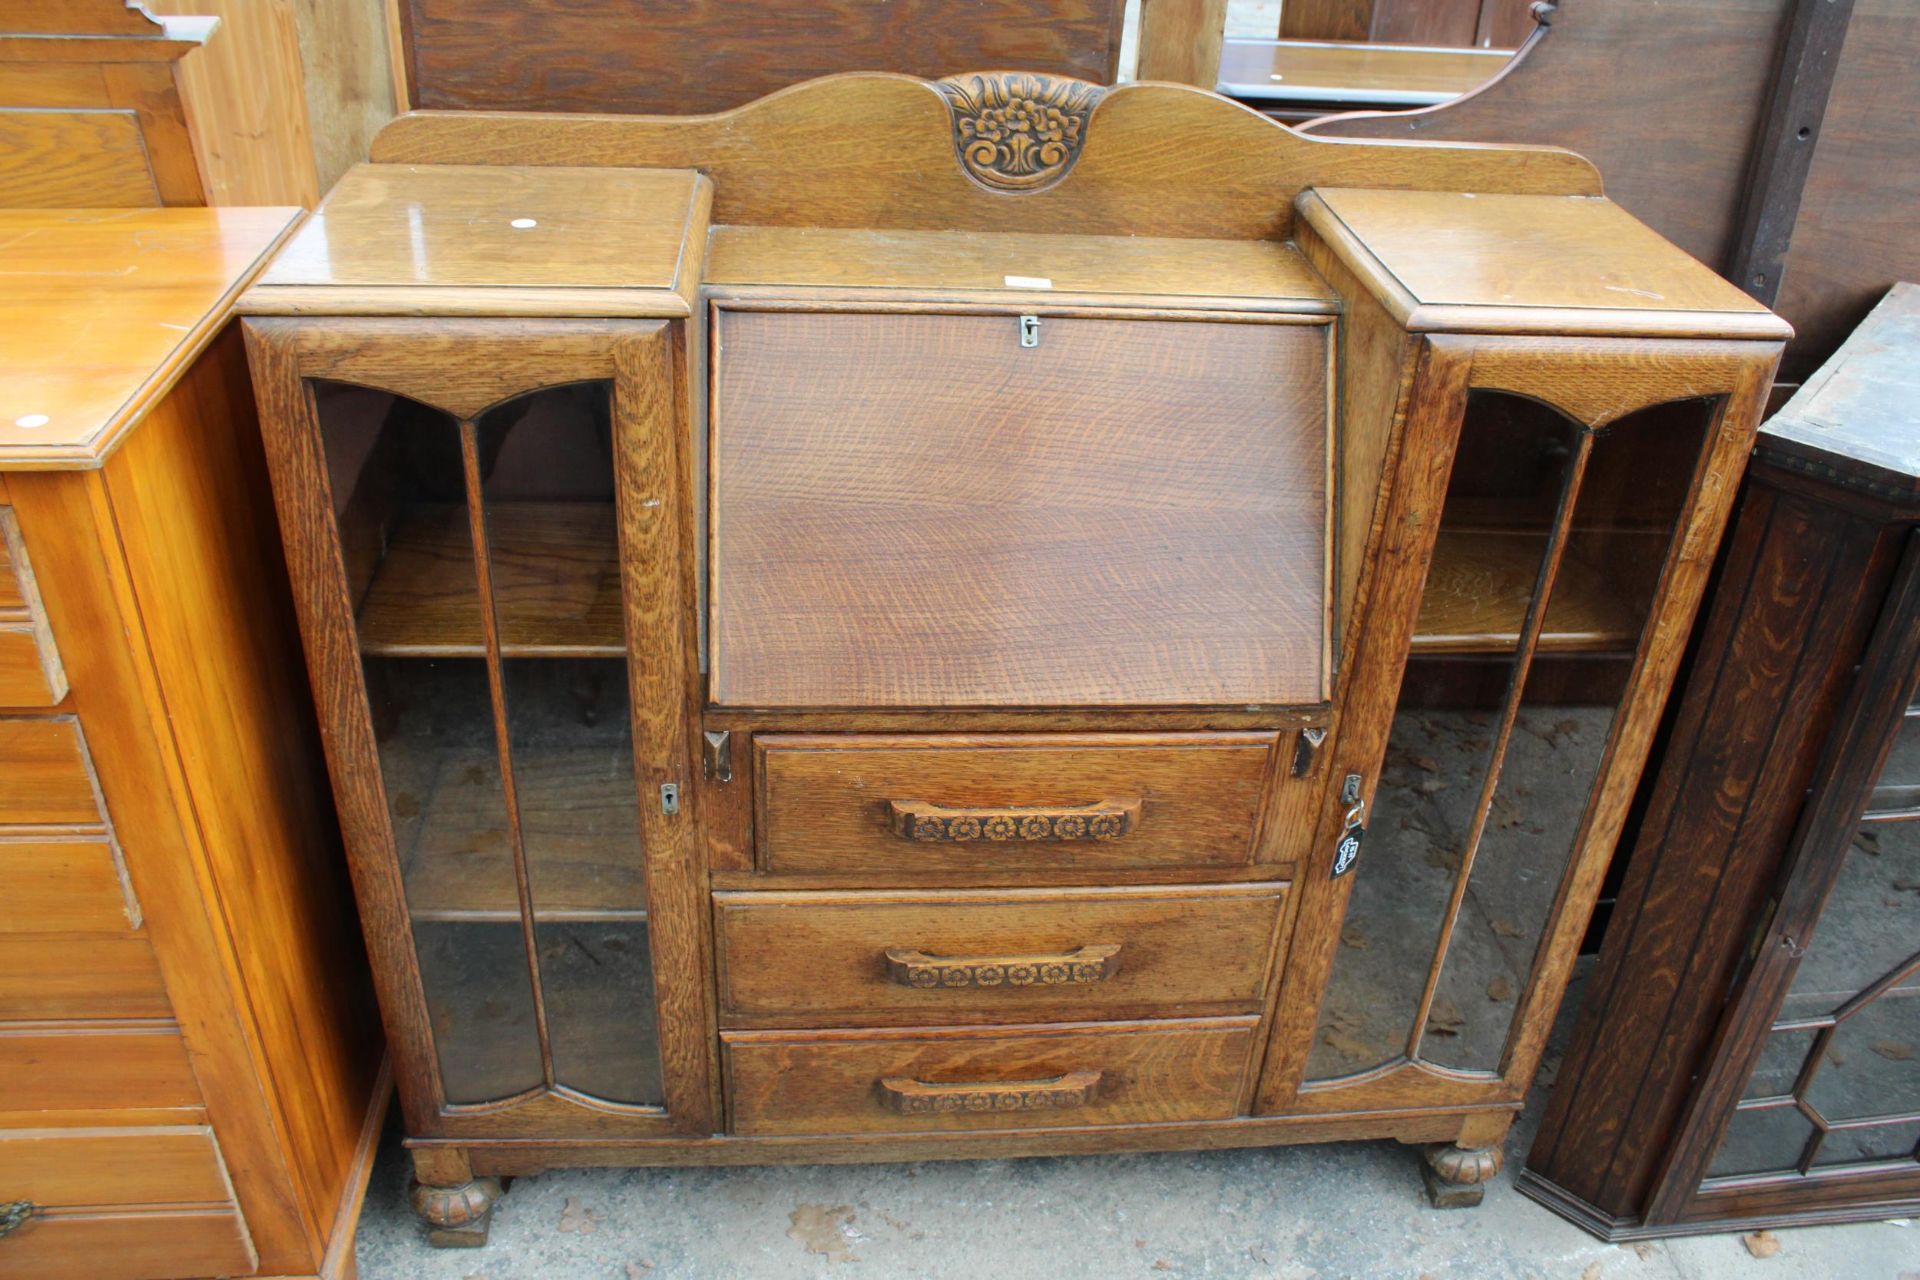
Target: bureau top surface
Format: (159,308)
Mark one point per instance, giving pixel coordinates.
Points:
(1529,263)
(105,309)
(1260,275)
(494,240)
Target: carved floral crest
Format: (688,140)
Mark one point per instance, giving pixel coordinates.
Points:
(1016,131)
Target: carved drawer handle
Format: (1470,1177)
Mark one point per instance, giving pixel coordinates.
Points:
(918,820)
(14,1214)
(1094,963)
(918,1098)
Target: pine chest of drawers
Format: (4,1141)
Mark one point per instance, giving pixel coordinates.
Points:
(862,629)
(191,1069)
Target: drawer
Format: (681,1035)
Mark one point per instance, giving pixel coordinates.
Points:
(121,1204)
(30,670)
(61,886)
(933,957)
(97,1067)
(793,1082)
(128,1246)
(902,805)
(67,1168)
(51,976)
(44,778)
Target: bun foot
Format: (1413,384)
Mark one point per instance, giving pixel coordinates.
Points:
(1457,1176)
(456,1217)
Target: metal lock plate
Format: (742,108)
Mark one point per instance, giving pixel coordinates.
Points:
(1353,830)
(1029,331)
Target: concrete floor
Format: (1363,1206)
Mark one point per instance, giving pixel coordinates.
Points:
(1282,1213)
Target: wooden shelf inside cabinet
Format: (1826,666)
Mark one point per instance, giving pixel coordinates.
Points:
(556,583)
(583,855)
(1482,580)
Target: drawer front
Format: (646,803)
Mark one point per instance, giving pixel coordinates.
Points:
(916,804)
(929,958)
(44,779)
(132,1203)
(128,1246)
(795,1082)
(30,670)
(61,886)
(95,1068)
(85,976)
(916,510)
(69,1168)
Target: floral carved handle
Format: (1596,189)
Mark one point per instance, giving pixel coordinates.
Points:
(1095,963)
(1060,1093)
(918,820)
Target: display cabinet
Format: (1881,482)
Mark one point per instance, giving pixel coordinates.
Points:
(1745,1055)
(871,626)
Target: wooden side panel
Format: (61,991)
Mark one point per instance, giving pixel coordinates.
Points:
(922,510)
(70,530)
(826,802)
(73,160)
(1180,41)
(1375,370)
(813,959)
(191,502)
(708,55)
(246,105)
(78,1067)
(832,1081)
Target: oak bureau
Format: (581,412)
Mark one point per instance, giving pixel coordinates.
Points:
(874,625)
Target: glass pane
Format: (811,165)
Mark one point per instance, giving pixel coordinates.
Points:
(599,983)
(1870,926)
(399,503)
(1872,1064)
(1506,486)
(1899,786)
(1622,521)
(1781,1057)
(1870,1144)
(481,1006)
(1769,1140)
(546,467)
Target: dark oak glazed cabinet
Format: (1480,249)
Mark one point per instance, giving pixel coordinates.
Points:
(1746,1050)
(921,622)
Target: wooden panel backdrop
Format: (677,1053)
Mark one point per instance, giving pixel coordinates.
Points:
(709,55)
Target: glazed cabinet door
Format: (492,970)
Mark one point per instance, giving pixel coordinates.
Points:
(484,525)
(1539,621)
